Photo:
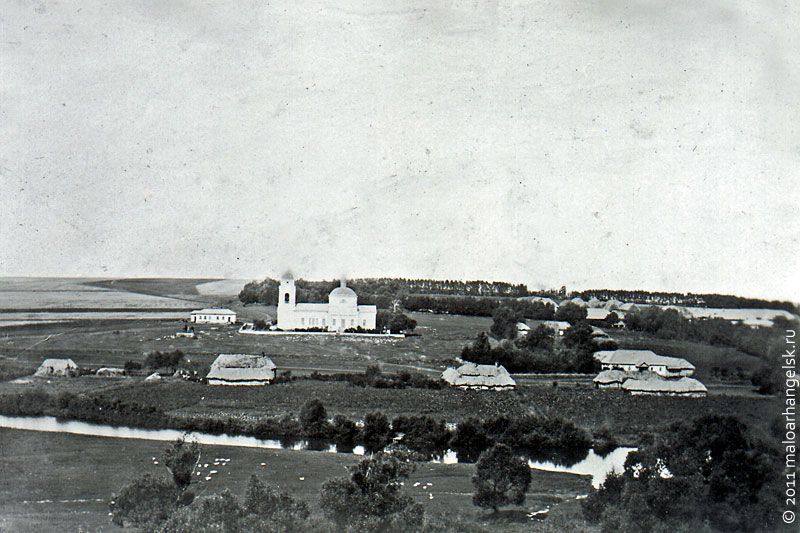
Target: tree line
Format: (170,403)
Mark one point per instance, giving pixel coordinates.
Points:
(384,291)
(711,300)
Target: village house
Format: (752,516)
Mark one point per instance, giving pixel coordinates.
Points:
(57,368)
(213,316)
(342,311)
(241,369)
(689,387)
(471,376)
(642,361)
(610,379)
(558,326)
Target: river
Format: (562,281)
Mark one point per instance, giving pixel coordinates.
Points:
(593,464)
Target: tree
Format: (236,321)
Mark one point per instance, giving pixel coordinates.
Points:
(502,478)
(394,321)
(372,496)
(376,431)
(156,360)
(275,505)
(539,338)
(218,512)
(504,322)
(181,459)
(146,502)
(570,312)
(314,419)
(469,440)
(578,336)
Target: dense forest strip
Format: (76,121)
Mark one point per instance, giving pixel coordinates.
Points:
(384,292)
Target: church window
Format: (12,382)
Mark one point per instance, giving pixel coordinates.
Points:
(303,320)
(334,321)
(286,298)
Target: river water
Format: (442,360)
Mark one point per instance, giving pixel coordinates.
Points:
(594,465)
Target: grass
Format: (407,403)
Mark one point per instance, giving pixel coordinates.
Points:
(64,468)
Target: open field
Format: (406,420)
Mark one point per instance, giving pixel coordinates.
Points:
(59,482)
(112,343)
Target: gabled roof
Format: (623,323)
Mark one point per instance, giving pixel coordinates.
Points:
(680,385)
(211,311)
(640,358)
(241,368)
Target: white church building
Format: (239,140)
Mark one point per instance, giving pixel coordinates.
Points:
(340,313)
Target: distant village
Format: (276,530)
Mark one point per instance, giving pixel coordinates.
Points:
(638,372)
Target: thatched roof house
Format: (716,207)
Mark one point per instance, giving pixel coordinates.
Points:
(57,368)
(241,369)
(610,379)
(470,376)
(669,387)
(644,360)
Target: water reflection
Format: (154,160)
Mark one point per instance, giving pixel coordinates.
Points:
(595,465)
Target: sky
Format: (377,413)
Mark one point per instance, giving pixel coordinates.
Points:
(636,144)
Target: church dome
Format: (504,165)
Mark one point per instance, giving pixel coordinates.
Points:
(342,292)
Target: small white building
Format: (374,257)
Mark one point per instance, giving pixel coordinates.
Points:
(342,311)
(643,361)
(241,369)
(471,376)
(213,316)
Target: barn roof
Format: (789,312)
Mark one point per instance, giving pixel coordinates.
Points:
(472,375)
(241,367)
(678,386)
(50,367)
(639,357)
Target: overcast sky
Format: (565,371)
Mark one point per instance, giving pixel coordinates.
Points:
(642,144)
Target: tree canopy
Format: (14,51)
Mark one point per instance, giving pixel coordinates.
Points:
(710,472)
(501,478)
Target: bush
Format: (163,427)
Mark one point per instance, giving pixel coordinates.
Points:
(131,366)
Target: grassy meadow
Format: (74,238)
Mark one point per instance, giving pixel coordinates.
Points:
(60,482)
